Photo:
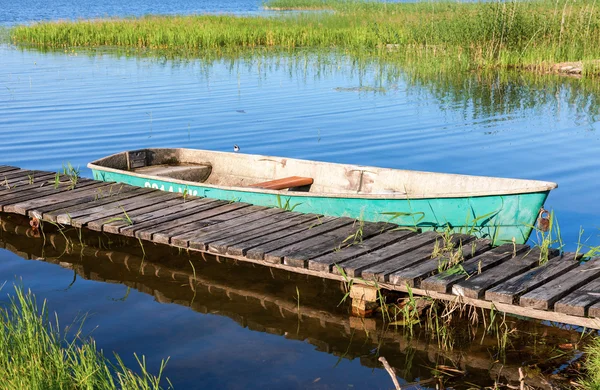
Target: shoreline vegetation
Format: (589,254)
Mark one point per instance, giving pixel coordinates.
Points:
(35,354)
(545,36)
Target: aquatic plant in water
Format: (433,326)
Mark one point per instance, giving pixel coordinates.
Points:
(36,355)
(591,380)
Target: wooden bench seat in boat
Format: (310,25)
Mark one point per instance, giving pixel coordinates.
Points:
(286,182)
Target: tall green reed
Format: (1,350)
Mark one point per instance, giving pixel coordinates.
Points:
(36,355)
(533,34)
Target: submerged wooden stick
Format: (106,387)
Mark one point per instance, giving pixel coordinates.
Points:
(390,371)
(521,379)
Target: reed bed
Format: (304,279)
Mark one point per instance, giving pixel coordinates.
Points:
(531,34)
(36,355)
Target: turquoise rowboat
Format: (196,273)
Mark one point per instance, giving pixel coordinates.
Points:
(498,208)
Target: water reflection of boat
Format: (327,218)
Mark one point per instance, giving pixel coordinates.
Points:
(243,293)
(498,207)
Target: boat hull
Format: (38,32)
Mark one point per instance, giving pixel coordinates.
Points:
(501,218)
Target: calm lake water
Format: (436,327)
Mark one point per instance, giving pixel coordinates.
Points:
(77,106)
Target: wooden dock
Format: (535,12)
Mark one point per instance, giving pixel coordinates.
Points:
(263,300)
(507,278)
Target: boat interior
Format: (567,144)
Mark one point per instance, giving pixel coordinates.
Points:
(286,174)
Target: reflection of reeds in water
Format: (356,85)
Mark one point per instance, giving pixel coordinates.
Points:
(474,95)
(267,300)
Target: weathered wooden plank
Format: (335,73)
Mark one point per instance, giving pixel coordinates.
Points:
(7,168)
(594,310)
(27,192)
(43,180)
(476,286)
(93,207)
(545,296)
(21,205)
(18,174)
(412,276)
(298,254)
(70,207)
(115,226)
(444,281)
(593,323)
(202,237)
(119,208)
(25,176)
(511,290)
(238,244)
(10,182)
(252,223)
(327,261)
(211,218)
(17,185)
(354,267)
(381,272)
(141,197)
(38,178)
(67,217)
(179,212)
(578,302)
(255,228)
(154,213)
(194,221)
(37,190)
(258,252)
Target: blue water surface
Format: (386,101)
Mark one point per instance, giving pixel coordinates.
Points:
(76,106)
(27,11)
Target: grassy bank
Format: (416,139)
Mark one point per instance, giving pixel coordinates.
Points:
(532,34)
(35,354)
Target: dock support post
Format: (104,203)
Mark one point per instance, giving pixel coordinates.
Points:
(364,300)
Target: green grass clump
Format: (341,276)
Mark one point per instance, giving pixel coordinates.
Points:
(36,355)
(592,366)
(499,34)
